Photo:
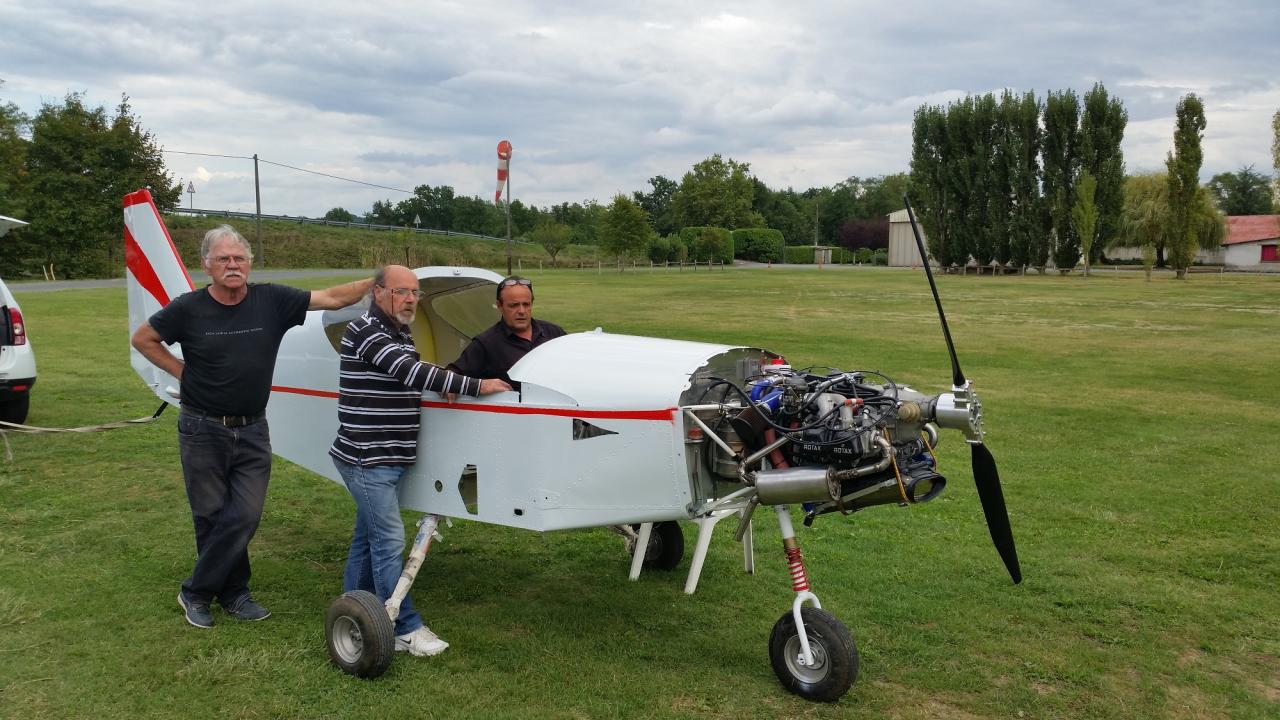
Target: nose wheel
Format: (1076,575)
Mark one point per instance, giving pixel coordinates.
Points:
(834,664)
(359,634)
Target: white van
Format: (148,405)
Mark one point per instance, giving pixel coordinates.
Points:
(17,359)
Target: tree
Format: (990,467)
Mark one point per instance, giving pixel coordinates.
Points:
(1275,157)
(716,192)
(1148,219)
(1102,126)
(13,158)
(339,215)
(1061,167)
(930,155)
(80,163)
(781,211)
(13,181)
(1243,192)
(658,203)
(552,236)
(1022,141)
(625,229)
(1183,163)
(1145,216)
(1084,215)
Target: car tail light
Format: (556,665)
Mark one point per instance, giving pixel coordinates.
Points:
(19,328)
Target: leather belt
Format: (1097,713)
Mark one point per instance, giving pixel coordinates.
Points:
(231,421)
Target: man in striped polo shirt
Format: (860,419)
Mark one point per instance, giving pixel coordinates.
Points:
(380,385)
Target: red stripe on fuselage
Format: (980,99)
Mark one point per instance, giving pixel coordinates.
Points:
(667,415)
(139,197)
(136,261)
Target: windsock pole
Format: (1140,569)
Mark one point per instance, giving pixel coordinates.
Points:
(504,179)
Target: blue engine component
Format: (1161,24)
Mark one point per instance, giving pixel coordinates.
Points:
(763,392)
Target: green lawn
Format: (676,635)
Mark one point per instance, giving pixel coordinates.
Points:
(1132,422)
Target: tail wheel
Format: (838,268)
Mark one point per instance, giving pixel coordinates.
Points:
(360,634)
(666,546)
(835,656)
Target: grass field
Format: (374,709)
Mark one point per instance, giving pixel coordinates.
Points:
(1133,423)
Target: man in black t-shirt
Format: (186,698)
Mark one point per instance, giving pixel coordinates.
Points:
(492,353)
(230,332)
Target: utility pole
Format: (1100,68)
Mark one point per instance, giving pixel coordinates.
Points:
(257,221)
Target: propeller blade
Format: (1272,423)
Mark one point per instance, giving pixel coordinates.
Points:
(957,377)
(987,479)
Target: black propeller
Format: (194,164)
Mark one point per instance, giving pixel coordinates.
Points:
(985,475)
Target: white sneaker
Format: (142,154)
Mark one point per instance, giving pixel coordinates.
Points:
(421,643)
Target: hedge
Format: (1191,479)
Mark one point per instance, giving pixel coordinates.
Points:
(758,244)
(708,243)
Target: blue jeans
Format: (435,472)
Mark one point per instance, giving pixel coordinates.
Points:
(226,471)
(376,557)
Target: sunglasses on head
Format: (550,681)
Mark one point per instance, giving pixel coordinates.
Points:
(508,282)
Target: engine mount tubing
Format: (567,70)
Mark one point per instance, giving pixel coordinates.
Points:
(426,531)
(716,438)
(755,456)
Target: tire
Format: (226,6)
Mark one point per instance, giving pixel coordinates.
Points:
(666,546)
(15,409)
(360,635)
(834,652)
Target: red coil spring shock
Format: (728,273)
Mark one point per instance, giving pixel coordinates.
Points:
(795,565)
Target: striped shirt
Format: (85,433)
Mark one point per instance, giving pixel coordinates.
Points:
(380,385)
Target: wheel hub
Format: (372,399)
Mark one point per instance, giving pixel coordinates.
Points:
(795,659)
(347,640)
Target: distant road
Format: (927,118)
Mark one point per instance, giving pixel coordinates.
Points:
(200,280)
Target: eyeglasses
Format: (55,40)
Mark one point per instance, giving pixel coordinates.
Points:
(403,292)
(508,282)
(228,259)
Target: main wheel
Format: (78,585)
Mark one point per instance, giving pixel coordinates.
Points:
(666,545)
(360,635)
(835,657)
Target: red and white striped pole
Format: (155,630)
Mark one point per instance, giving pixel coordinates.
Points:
(504,180)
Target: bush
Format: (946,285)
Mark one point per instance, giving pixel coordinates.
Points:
(880,257)
(758,244)
(659,249)
(708,243)
(863,255)
(799,255)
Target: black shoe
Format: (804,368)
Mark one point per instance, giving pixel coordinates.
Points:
(248,610)
(197,612)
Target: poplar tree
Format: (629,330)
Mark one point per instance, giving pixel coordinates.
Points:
(1102,127)
(1084,214)
(1061,167)
(1183,163)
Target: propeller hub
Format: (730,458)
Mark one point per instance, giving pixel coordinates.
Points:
(961,409)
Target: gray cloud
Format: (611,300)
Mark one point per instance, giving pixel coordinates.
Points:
(596,100)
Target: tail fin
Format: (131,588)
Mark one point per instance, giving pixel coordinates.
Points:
(154,275)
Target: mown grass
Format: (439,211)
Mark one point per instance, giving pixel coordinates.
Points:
(1133,422)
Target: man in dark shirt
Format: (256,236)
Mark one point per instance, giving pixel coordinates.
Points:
(380,386)
(230,332)
(494,351)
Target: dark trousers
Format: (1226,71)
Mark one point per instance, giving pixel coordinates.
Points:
(226,472)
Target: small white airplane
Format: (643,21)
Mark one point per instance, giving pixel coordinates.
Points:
(612,431)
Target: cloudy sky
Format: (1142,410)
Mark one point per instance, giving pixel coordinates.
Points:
(597,97)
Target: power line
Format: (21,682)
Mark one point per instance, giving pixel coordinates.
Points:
(335,177)
(291,167)
(233,157)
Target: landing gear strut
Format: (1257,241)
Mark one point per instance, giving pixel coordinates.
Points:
(812,652)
